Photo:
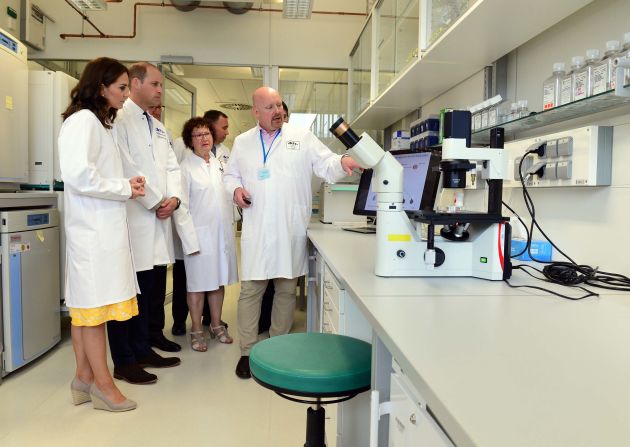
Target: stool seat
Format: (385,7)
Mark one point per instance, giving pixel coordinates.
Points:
(312,364)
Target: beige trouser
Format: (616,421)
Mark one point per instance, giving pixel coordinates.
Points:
(249,303)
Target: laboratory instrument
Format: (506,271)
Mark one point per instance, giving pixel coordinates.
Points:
(470,243)
(29,247)
(14,110)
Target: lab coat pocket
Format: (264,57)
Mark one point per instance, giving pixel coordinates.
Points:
(113,234)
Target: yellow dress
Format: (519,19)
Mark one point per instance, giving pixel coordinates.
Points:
(98,315)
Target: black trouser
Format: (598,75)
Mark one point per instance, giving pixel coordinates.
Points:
(180,305)
(157,295)
(264,322)
(129,340)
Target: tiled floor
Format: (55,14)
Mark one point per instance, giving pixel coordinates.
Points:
(199,403)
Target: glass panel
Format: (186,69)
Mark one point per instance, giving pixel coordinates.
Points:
(178,106)
(386,44)
(407,26)
(397,44)
(441,16)
(318,91)
(361,66)
(583,107)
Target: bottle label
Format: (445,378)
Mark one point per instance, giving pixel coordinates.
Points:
(565,91)
(599,78)
(549,95)
(579,90)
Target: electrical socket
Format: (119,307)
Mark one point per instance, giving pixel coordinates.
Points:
(577,157)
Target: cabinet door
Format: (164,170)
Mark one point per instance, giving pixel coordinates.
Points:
(409,423)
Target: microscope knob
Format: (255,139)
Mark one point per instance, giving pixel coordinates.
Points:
(401,253)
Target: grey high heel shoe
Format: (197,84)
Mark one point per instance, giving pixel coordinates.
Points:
(100,402)
(80,391)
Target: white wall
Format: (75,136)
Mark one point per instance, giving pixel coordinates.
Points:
(589,224)
(209,36)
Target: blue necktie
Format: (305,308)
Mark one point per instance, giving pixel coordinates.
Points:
(146,115)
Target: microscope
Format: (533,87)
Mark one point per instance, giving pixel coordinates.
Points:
(473,244)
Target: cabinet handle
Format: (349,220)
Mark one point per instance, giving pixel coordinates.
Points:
(327,309)
(327,284)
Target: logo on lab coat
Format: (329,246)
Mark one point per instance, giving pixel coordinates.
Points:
(161,134)
(293,145)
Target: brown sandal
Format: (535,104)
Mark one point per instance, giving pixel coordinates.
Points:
(221,334)
(198,341)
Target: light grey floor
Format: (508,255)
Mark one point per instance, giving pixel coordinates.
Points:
(199,403)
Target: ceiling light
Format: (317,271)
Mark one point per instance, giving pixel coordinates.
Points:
(90,4)
(297,9)
(235,106)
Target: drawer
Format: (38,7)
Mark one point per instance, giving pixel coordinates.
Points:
(332,286)
(331,311)
(328,326)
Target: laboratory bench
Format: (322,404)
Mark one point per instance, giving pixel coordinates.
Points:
(471,362)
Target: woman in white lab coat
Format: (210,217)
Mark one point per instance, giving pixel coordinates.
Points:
(211,209)
(100,277)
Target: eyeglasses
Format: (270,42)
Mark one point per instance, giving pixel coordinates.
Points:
(201,135)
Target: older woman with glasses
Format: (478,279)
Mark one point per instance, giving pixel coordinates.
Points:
(214,267)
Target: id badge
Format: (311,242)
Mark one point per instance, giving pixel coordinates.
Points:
(264,173)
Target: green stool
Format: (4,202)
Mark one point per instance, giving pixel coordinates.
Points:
(326,368)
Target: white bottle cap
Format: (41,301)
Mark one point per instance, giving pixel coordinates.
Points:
(626,38)
(558,66)
(592,54)
(613,45)
(577,61)
(522,103)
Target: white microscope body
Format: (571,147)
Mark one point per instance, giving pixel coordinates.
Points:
(400,249)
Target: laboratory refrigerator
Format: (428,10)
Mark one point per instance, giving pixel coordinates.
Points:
(29,282)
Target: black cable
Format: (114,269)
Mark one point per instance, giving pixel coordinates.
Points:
(563,273)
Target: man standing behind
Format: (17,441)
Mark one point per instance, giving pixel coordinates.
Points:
(146,141)
(269,176)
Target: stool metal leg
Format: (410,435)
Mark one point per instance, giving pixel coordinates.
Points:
(315,428)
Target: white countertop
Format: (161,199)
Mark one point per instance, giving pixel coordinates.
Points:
(498,366)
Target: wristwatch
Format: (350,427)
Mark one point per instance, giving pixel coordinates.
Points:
(179,202)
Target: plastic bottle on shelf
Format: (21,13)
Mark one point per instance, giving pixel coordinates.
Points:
(600,75)
(625,52)
(522,109)
(567,81)
(582,85)
(551,87)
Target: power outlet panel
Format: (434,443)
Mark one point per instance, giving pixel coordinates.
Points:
(577,157)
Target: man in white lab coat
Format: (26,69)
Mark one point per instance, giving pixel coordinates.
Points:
(220,128)
(269,176)
(146,141)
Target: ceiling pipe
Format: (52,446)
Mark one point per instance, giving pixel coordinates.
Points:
(163,5)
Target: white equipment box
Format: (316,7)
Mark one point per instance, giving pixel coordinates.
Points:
(336,203)
(13,110)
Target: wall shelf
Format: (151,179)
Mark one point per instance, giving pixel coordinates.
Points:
(486,32)
(577,109)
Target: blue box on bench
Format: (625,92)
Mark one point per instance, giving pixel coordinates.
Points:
(541,250)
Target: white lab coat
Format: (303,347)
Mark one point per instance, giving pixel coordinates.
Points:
(99,265)
(211,209)
(273,236)
(153,157)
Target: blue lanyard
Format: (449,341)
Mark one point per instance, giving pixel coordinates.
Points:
(266,154)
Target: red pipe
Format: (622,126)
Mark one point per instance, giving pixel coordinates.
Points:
(135,14)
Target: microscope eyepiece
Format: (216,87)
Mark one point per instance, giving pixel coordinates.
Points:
(344,133)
